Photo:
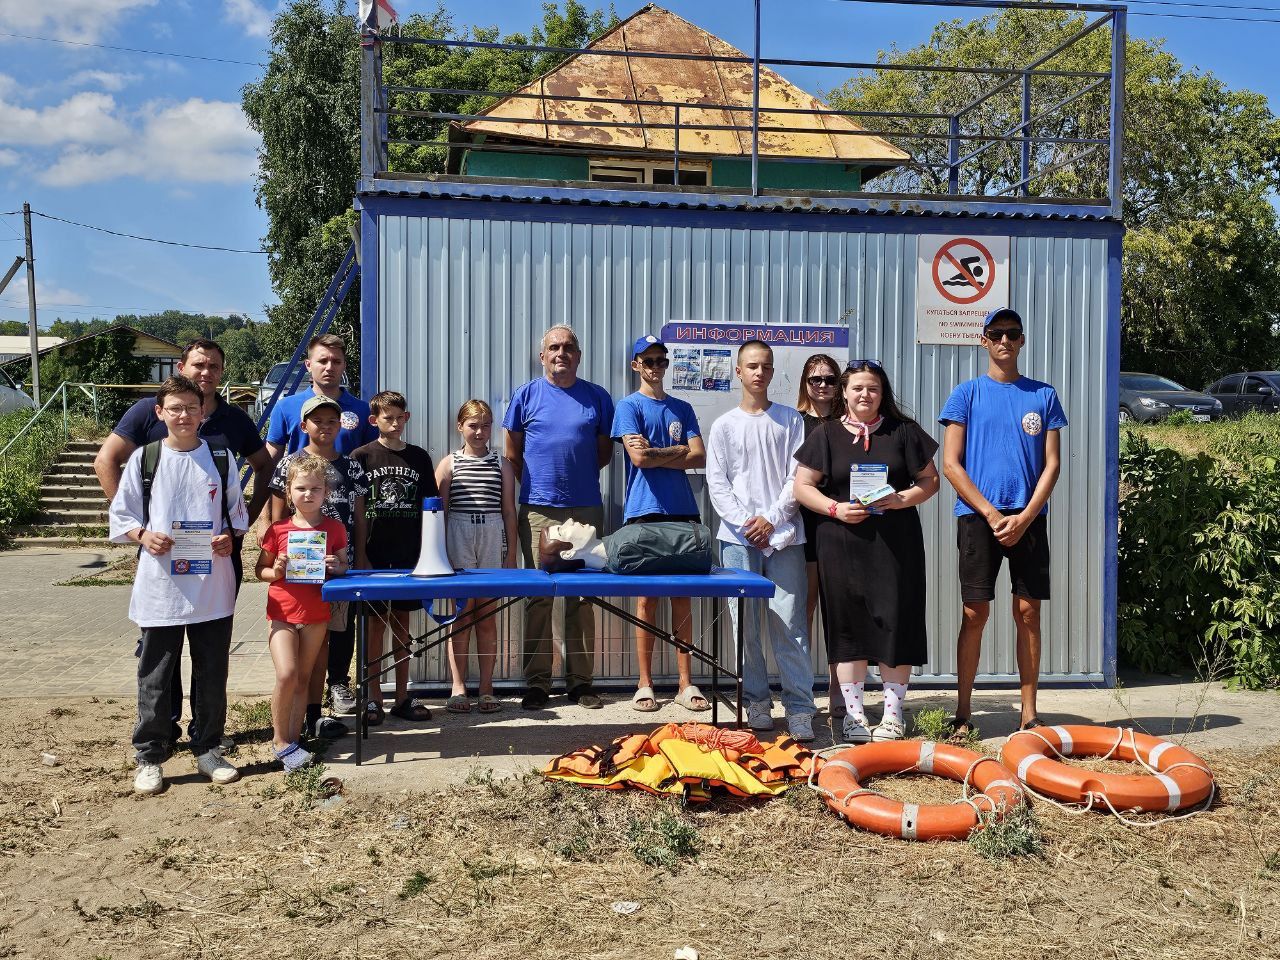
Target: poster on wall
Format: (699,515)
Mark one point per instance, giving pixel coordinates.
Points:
(703,357)
(959,280)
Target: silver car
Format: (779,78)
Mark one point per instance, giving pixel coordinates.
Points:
(11,397)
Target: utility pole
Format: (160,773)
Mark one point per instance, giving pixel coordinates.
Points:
(32,332)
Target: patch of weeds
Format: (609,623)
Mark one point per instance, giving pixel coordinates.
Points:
(663,841)
(1017,834)
(148,910)
(271,791)
(1271,862)
(800,798)
(481,871)
(574,847)
(306,782)
(59,712)
(250,721)
(415,885)
(375,858)
(160,851)
(935,724)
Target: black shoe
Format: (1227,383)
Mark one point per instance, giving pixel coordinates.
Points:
(327,728)
(535,699)
(1033,723)
(585,697)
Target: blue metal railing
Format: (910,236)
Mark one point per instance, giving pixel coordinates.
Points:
(1023,172)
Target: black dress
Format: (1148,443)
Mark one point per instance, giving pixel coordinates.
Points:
(872,573)
(807,516)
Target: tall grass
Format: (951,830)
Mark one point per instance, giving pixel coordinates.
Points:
(23,467)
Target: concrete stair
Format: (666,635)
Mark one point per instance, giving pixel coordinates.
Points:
(72,508)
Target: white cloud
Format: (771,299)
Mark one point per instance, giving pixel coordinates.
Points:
(83,20)
(111,82)
(81,118)
(196,141)
(8,158)
(48,295)
(252,16)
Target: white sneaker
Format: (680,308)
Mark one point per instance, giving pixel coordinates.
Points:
(759,716)
(854,729)
(342,700)
(213,766)
(800,726)
(148,779)
(889,729)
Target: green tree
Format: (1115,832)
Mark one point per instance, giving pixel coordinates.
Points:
(106,358)
(1201,162)
(306,107)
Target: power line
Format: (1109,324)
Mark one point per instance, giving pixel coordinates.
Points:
(86,308)
(154,53)
(134,236)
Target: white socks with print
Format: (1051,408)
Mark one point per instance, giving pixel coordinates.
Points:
(894,695)
(852,694)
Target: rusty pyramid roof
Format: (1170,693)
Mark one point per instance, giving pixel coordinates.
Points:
(707,86)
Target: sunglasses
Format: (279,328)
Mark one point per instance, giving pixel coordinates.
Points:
(820,381)
(660,362)
(856,365)
(1012,334)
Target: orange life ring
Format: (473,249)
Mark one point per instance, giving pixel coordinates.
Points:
(1179,778)
(841,776)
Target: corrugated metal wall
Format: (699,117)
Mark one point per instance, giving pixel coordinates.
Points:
(464,299)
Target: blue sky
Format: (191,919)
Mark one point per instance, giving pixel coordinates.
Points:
(157,146)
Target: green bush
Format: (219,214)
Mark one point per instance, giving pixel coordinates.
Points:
(22,468)
(1199,550)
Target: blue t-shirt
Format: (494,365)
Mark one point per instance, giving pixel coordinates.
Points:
(560,427)
(285,429)
(1005,425)
(664,423)
(228,426)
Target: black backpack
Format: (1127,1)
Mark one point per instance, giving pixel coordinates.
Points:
(151,460)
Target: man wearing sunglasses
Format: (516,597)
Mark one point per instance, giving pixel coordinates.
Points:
(1002,453)
(661,437)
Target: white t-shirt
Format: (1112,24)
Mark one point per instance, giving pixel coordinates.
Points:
(186,487)
(750,470)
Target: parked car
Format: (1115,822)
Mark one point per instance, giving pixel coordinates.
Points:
(1146,397)
(11,397)
(268,385)
(1243,392)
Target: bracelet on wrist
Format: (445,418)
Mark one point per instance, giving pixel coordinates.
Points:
(832,508)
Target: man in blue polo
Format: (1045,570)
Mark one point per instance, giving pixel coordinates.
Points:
(326,362)
(558,441)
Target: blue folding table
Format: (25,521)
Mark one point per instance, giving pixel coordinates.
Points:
(501,589)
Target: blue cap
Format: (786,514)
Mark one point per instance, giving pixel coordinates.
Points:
(433,504)
(643,344)
(1002,313)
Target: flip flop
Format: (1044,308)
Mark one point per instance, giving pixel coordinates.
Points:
(644,701)
(458,703)
(960,729)
(373,713)
(489,703)
(408,709)
(691,699)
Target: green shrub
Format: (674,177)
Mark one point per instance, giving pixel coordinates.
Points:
(1198,548)
(22,468)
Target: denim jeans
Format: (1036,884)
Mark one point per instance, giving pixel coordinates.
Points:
(788,631)
(210,644)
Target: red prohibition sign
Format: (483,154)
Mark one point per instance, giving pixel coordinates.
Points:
(968,272)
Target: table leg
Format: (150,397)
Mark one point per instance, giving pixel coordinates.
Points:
(741,658)
(717,608)
(362,677)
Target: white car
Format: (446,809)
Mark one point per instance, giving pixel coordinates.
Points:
(12,398)
(269,383)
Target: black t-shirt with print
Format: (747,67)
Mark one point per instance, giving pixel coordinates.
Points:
(346,485)
(398,480)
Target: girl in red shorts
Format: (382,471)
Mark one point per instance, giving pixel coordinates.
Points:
(299,617)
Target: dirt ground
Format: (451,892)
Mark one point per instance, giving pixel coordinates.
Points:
(522,867)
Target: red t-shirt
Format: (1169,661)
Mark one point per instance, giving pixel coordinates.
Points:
(299,602)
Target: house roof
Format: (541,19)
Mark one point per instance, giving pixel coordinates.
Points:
(22,344)
(98,333)
(707,85)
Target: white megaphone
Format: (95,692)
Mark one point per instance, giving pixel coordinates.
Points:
(433,558)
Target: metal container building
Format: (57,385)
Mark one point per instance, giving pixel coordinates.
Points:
(462,275)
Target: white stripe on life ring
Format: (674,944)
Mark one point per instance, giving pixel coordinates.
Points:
(845,764)
(925,763)
(910,820)
(1065,737)
(1026,764)
(1161,747)
(1175,795)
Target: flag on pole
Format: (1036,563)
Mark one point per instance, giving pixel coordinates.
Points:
(377,14)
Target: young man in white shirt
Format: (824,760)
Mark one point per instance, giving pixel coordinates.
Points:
(750,469)
(193,593)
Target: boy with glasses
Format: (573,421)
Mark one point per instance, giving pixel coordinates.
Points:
(1002,453)
(661,438)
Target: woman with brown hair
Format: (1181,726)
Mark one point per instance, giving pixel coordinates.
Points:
(819,400)
(870,555)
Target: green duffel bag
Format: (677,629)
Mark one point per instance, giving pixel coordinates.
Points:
(668,546)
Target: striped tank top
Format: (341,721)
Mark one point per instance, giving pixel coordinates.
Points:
(476,484)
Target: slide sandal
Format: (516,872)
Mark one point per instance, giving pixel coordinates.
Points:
(644,701)
(691,699)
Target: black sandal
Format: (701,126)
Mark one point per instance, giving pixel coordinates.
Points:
(960,729)
(373,713)
(1033,723)
(409,709)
